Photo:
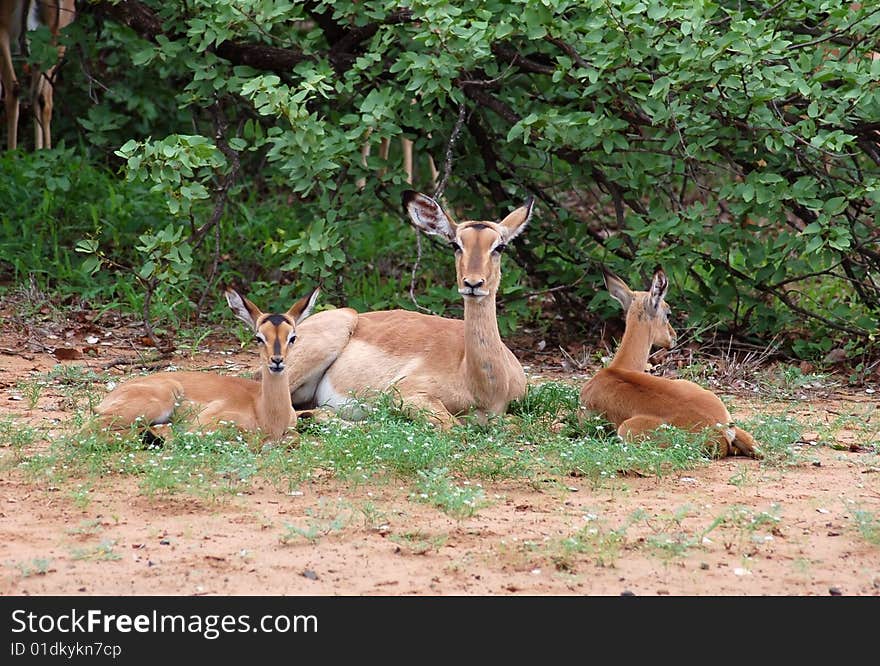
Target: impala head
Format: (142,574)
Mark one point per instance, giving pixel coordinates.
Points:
(477,245)
(276,333)
(645,308)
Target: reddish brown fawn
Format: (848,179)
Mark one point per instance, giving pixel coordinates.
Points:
(639,403)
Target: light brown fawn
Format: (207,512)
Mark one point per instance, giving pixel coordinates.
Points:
(639,403)
(262,406)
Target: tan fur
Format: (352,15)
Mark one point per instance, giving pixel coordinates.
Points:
(205,398)
(56,15)
(638,403)
(443,366)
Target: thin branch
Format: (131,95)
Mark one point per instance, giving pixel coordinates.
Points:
(450,147)
(438,193)
(415,268)
(834,34)
(222,197)
(781,295)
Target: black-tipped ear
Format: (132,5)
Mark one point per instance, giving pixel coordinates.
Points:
(303,307)
(618,289)
(243,308)
(659,287)
(427,215)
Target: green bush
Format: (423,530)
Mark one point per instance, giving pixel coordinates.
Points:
(733,143)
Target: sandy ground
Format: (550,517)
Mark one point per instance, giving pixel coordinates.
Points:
(732,527)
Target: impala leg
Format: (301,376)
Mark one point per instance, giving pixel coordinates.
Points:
(10,90)
(419,399)
(586,413)
(384,149)
(320,340)
(316,415)
(435,174)
(432,408)
(744,444)
(138,402)
(361,183)
(733,441)
(43,101)
(639,427)
(407,146)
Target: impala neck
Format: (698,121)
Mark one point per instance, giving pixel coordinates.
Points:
(483,348)
(634,349)
(274,407)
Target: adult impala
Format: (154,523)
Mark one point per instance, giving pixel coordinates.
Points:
(639,403)
(208,398)
(16,18)
(444,367)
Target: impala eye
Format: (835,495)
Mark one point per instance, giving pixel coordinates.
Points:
(499,248)
(259,338)
(291,339)
(455,246)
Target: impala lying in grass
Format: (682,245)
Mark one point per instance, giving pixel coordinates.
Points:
(639,403)
(443,367)
(208,399)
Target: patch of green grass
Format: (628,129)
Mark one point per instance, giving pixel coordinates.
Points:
(81,497)
(418,543)
(31,390)
(542,437)
(190,339)
(868,525)
(434,487)
(787,382)
(38,566)
(328,518)
(387,442)
(598,543)
(742,526)
(101,552)
(862,423)
(373,517)
(776,436)
(669,538)
(206,463)
(86,528)
(15,439)
(603,458)
(81,387)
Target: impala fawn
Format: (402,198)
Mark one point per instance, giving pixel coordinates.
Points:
(262,406)
(639,403)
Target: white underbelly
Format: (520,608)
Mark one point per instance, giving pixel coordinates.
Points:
(348,407)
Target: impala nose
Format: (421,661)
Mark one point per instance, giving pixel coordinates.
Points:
(473,284)
(276,364)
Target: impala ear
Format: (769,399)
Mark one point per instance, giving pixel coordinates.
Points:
(659,287)
(618,289)
(427,215)
(515,223)
(243,308)
(303,307)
